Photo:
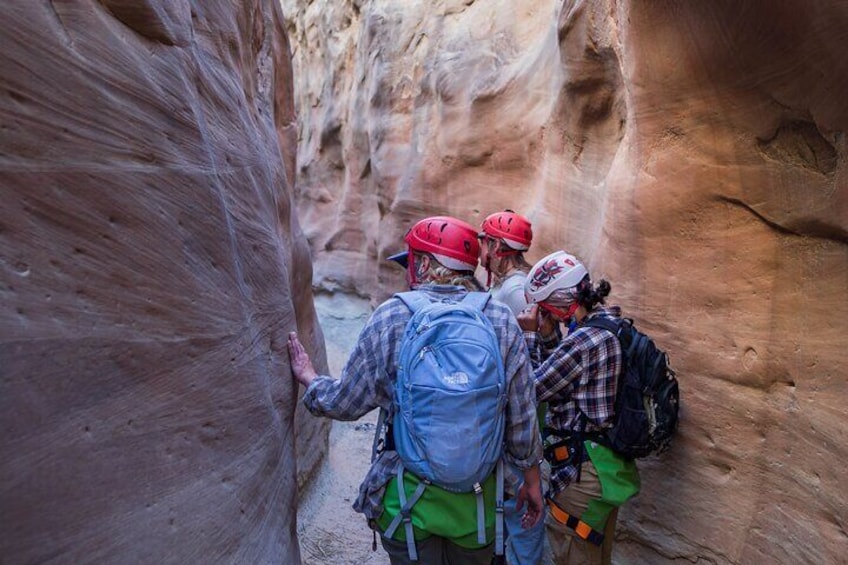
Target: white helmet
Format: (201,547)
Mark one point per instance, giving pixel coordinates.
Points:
(557,271)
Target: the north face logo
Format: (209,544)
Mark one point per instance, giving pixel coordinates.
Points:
(458,378)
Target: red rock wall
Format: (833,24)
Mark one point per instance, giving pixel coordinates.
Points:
(694,153)
(151,265)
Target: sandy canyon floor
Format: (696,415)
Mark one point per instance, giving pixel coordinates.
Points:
(327,527)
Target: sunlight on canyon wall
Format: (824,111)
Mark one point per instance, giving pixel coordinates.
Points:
(692,153)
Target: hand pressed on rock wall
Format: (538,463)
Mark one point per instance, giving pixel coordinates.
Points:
(301,364)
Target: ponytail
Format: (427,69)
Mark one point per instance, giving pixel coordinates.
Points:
(589,297)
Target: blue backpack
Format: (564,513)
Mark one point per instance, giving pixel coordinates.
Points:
(449,406)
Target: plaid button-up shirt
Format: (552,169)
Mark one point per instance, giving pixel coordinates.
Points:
(577,377)
(367,381)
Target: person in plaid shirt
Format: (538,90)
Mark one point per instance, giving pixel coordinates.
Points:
(577,377)
(440,259)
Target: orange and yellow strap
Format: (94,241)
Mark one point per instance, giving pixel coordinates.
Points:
(581,528)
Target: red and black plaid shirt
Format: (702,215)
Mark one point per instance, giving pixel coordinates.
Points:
(577,377)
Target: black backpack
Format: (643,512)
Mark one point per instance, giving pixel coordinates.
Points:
(647,394)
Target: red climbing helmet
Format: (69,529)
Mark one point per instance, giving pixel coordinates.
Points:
(514,229)
(452,242)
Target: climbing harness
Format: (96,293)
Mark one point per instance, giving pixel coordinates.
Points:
(581,528)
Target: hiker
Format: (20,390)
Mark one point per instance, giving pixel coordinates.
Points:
(577,377)
(504,238)
(442,526)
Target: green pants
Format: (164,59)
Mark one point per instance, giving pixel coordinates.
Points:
(607,481)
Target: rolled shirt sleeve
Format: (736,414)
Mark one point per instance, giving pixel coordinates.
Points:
(523,441)
(364,383)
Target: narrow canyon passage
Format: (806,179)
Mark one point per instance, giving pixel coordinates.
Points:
(179,179)
(327,527)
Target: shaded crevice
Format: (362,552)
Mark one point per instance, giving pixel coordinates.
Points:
(804,228)
(64,31)
(801,144)
(157,22)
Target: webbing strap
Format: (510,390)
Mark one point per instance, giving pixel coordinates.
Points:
(481,515)
(381,421)
(499,509)
(640,343)
(581,528)
(603,323)
(405,514)
(393,525)
(407,520)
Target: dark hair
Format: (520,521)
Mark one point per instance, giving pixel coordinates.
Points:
(589,297)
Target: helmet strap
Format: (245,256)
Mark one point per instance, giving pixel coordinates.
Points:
(410,268)
(488,267)
(502,251)
(565,315)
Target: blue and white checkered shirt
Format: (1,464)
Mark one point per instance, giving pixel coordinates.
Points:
(367,382)
(577,376)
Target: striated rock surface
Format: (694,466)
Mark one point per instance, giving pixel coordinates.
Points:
(693,153)
(151,265)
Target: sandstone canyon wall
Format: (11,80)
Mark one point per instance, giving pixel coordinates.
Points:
(151,265)
(693,153)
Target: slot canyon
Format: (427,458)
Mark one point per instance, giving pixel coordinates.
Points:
(183,183)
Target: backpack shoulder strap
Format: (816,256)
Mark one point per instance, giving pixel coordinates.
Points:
(380,440)
(632,341)
(603,323)
(478,300)
(414,299)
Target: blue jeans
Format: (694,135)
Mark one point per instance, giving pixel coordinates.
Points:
(523,547)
